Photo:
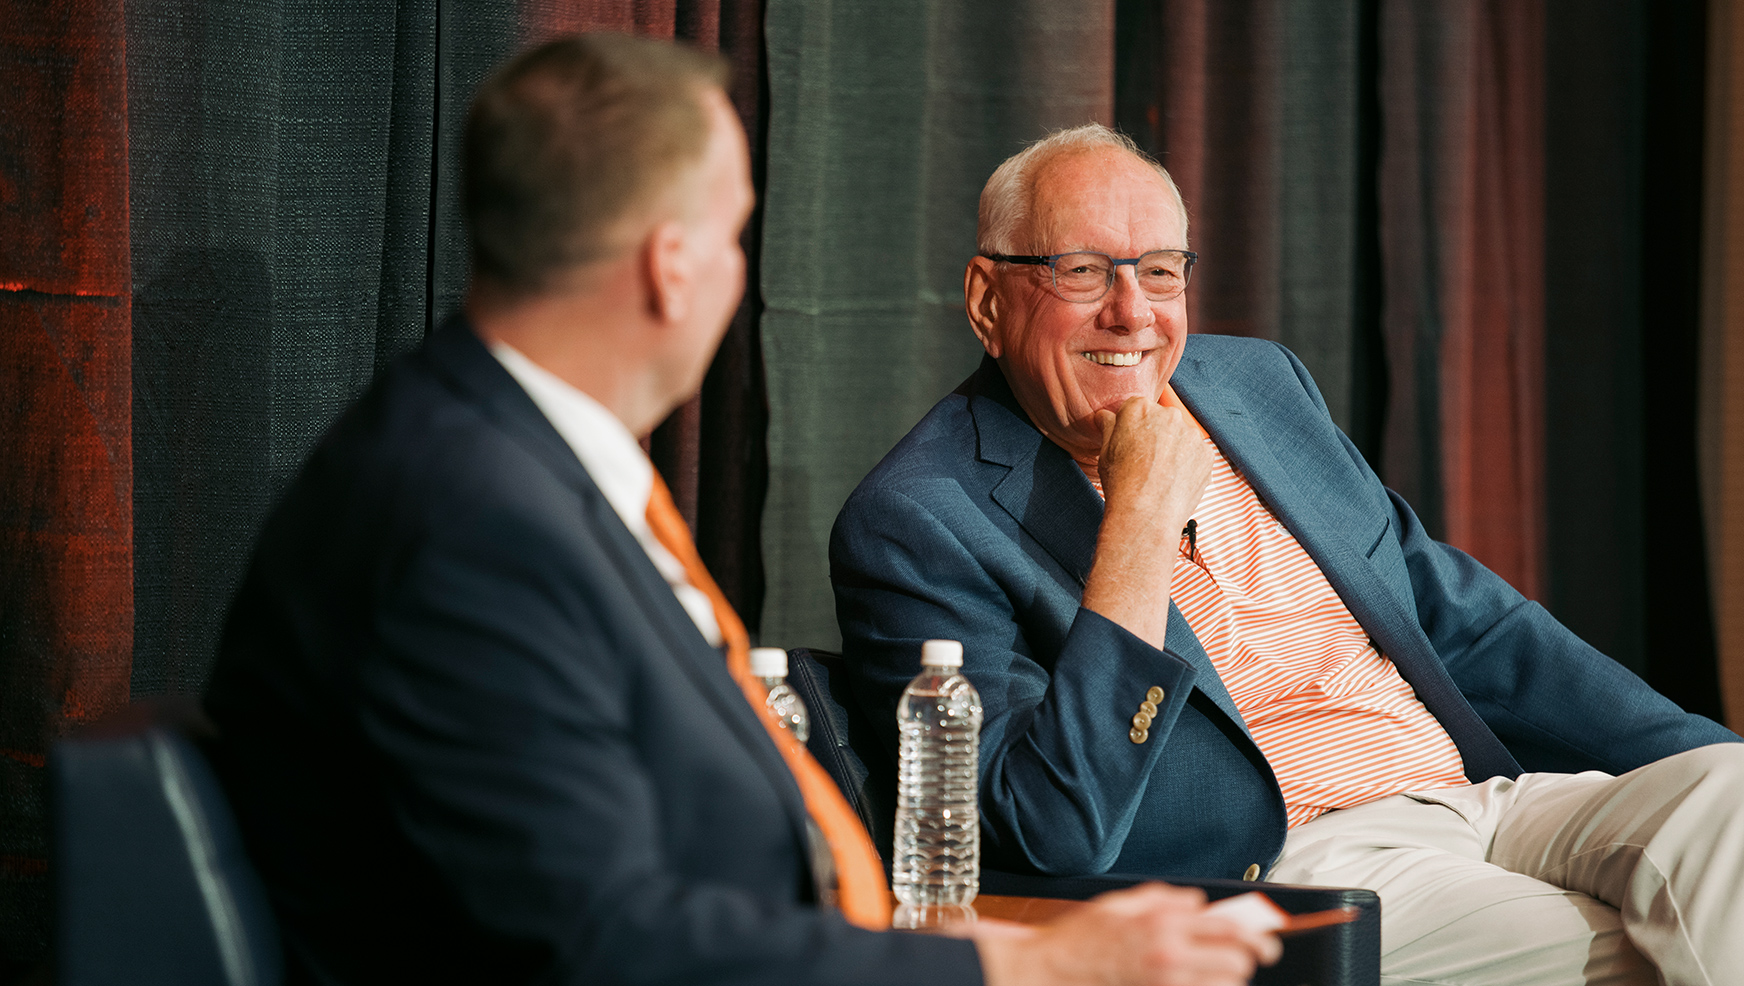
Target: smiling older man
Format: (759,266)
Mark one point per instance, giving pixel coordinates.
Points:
(1211,643)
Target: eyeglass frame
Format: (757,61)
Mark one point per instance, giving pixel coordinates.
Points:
(1114,263)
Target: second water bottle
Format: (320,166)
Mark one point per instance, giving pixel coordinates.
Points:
(769,667)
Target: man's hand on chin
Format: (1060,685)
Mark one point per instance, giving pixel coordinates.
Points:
(1155,935)
(1154,468)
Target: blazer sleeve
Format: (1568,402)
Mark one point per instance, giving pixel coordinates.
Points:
(1554,701)
(502,705)
(1061,777)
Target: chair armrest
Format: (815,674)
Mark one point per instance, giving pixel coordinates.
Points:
(1340,955)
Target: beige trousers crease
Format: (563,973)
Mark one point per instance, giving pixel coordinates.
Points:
(1549,879)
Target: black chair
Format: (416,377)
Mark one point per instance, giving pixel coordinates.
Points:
(152,885)
(842,740)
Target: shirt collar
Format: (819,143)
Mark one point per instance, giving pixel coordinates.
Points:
(610,454)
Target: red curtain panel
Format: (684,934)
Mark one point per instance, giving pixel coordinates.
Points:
(1461,213)
(66,515)
(1220,131)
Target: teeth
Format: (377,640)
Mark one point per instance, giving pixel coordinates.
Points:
(1114,359)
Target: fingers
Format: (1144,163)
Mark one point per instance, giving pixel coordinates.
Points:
(1106,421)
(1267,949)
(1153,459)
(1139,426)
(1169,937)
(1214,929)
(1177,941)
(1121,419)
(1150,935)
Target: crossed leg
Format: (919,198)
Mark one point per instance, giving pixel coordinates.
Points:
(1552,878)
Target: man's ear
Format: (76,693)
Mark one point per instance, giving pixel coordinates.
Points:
(981,303)
(668,266)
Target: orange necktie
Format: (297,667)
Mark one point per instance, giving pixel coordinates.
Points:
(862,895)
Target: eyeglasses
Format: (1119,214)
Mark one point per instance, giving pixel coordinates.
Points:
(1086,276)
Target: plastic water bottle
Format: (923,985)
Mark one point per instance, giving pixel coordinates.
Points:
(937,858)
(769,665)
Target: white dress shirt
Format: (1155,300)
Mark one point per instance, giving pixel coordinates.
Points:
(617,465)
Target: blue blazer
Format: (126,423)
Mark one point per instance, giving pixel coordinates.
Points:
(976,527)
(471,736)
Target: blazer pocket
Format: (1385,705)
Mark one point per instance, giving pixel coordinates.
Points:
(1386,525)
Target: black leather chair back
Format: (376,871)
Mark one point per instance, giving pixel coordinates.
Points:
(839,734)
(152,885)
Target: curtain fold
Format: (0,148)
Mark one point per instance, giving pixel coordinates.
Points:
(281,174)
(280,227)
(1461,225)
(1680,651)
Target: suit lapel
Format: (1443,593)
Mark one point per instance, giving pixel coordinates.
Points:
(1053,501)
(703,664)
(483,381)
(467,366)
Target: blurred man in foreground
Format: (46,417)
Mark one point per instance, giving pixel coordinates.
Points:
(475,715)
(1210,643)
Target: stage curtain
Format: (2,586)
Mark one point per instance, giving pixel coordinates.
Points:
(1462,244)
(885,121)
(296,226)
(280,232)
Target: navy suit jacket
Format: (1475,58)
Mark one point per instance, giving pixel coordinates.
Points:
(471,736)
(976,527)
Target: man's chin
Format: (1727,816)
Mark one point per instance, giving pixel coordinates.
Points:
(1116,402)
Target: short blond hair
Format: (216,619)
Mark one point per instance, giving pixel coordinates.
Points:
(1006,198)
(571,138)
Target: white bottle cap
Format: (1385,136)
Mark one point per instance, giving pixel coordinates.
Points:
(768,662)
(942,654)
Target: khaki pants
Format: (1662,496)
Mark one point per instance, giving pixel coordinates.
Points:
(1550,878)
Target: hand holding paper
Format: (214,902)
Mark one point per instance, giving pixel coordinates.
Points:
(1256,912)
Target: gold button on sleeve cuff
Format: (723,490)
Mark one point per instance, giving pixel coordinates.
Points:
(1253,872)
(1155,695)
(1141,721)
(1138,735)
(1148,708)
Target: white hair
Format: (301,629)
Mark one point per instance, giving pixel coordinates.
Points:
(1005,200)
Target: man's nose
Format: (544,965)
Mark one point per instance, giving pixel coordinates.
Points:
(1125,307)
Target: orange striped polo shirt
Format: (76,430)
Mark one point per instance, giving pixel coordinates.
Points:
(1337,723)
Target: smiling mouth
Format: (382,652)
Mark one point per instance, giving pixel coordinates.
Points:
(1115,359)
